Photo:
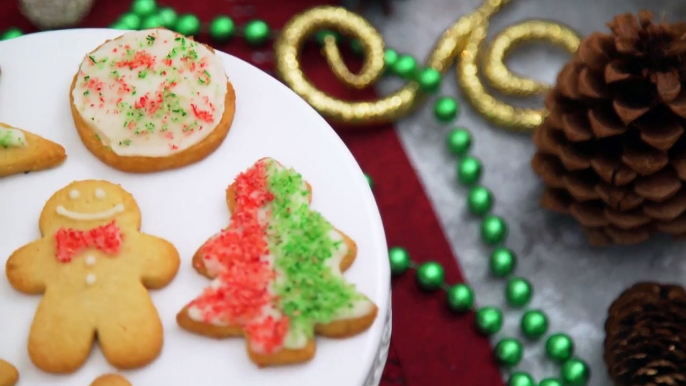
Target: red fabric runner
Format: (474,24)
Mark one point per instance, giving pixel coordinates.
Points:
(430,346)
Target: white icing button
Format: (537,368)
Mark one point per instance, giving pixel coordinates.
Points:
(90,261)
(99,193)
(74,194)
(90,279)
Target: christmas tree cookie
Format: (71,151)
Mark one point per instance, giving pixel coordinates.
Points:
(276,272)
(21,151)
(8,374)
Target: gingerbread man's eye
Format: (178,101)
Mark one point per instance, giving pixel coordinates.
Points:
(99,193)
(74,194)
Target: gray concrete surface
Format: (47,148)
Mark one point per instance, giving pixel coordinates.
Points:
(573,282)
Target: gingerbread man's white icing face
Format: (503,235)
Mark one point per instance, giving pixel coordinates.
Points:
(84,204)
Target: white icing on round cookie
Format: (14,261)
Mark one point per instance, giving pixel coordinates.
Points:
(90,216)
(11,137)
(74,194)
(151,93)
(99,193)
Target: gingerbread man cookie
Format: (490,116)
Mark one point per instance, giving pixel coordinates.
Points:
(8,374)
(21,151)
(110,380)
(94,267)
(276,272)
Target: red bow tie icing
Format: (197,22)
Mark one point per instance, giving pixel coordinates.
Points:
(105,238)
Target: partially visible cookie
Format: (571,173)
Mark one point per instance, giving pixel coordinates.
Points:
(152,100)
(277,272)
(22,151)
(8,374)
(110,380)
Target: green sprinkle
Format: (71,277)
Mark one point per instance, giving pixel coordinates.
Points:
(125,142)
(86,92)
(97,136)
(142,74)
(92,59)
(151,39)
(207,73)
(86,78)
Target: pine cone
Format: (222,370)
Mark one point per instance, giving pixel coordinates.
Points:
(611,151)
(645,336)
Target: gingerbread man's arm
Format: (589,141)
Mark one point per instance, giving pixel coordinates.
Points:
(160,261)
(28,267)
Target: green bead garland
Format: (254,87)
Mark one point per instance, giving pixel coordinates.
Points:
(479,200)
(129,21)
(429,80)
(390,57)
(493,230)
(575,372)
(320,36)
(551,382)
(143,8)
(370,182)
(489,320)
(222,28)
(460,298)
(256,32)
(509,352)
(502,262)
(534,324)
(430,276)
(399,259)
(459,141)
(468,170)
(356,47)
(168,16)
(519,378)
(187,25)
(152,21)
(559,347)
(11,34)
(445,109)
(405,67)
(518,292)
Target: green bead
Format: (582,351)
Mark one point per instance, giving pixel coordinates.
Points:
(575,372)
(143,8)
(460,298)
(187,25)
(479,200)
(551,382)
(519,378)
(459,141)
(509,352)
(430,276)
(130,20)
(518,292)
(502,262)
(356,47)
(488,320)
(11,34)
(399,260)
(369,180)
(152,21)
(119,25)
(534,324)
(468,170)
(445,109)
(559,347)
(321,35)
(222,28)
(429,80)
(405,67)
(390,57)
(168,17)
(493,230)
(256,32)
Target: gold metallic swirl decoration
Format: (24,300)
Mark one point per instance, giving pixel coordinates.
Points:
(461,41)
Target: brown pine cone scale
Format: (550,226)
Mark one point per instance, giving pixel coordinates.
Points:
(645,336)
(612,150)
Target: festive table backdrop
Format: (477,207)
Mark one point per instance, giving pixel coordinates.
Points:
(574,283)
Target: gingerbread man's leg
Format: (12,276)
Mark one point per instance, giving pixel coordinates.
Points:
(61,335)
(131,335)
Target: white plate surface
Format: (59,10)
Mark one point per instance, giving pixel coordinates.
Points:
(185,206)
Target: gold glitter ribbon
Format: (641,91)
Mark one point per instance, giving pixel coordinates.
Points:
(461,41)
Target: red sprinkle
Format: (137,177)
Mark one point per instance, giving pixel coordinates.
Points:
(244,276)
(203,115)
(105,238)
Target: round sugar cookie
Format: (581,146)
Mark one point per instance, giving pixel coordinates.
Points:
(152,100)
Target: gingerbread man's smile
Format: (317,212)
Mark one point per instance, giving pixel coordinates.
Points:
(105,214)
